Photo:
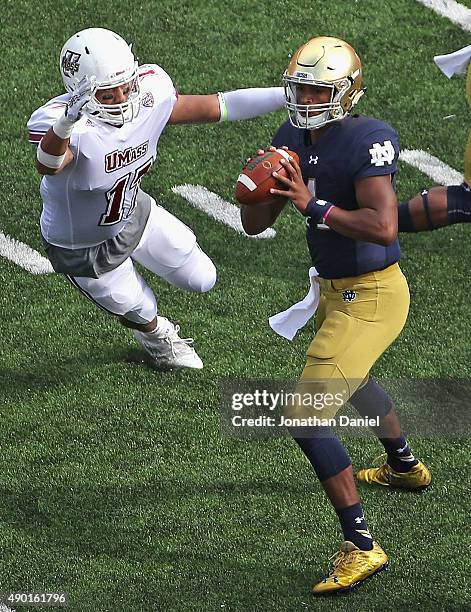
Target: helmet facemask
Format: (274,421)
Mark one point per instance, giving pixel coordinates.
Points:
(118,114)
(301,115)
(323,62)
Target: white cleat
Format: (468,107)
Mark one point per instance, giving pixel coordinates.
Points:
(167,349)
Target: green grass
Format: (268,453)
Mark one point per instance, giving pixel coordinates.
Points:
(116,484)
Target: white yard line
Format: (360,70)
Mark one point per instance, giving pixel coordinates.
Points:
(217,208)
(455,12)
(437,170)
(23,255)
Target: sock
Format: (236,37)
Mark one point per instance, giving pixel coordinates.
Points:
(400,456)
(162,328)
(354,526)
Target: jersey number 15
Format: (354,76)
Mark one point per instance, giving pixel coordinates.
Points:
(116,196)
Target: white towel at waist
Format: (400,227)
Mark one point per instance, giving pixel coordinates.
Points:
(288,322)
(454,63)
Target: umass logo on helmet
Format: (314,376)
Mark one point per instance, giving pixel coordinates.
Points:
(70,63)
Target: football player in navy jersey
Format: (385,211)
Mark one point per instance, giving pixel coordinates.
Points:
(344,186)
(442,206)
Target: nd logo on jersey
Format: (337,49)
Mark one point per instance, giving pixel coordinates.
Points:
(382,153)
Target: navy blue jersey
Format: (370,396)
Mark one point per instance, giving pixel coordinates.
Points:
(350,149)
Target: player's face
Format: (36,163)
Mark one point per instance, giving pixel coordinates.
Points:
(114,95)
(313,94)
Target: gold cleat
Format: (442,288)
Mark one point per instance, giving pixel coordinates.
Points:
(418,477)
(351,567)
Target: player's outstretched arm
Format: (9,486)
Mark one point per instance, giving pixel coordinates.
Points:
(441,206)
(227,106)
(427,210)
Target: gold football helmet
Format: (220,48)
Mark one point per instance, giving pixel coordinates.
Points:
(326,62)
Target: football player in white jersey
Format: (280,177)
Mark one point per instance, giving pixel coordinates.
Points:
(95,143)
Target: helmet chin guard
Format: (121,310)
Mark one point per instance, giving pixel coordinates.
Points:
(323,62)
(106,56)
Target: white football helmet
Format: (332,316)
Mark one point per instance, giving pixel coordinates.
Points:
(106,56)
(327,62)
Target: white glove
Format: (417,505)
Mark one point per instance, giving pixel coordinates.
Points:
(80,96)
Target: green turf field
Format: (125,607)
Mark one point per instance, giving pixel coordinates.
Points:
(116,484)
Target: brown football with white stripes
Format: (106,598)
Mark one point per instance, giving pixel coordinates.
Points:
(256,179)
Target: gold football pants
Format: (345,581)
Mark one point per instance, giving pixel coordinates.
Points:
(357,319)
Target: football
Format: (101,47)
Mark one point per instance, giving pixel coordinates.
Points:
(256,179)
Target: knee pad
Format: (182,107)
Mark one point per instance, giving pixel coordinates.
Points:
(204,275)
(371,400)
(122,292)
(197,273)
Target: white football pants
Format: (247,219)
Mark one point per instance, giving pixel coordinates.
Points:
(169,249)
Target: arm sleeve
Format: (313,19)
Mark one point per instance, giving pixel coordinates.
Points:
(250,103)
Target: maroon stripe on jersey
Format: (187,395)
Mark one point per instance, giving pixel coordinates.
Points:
(143,74)
(36,136)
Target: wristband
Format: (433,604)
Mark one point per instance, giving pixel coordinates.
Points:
(48,160)
(318,210)
(324,218)
(222,107)
(63,128)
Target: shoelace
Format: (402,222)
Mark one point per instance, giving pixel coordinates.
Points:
(383,470)
(338,558)
(344,560)
(172,337)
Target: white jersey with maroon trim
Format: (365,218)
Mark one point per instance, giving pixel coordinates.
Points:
(94,196)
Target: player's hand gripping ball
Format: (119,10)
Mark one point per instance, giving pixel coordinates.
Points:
(256,179)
